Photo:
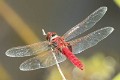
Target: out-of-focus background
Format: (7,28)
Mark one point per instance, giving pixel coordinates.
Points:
(21,22)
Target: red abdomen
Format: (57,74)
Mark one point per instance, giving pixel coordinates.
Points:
(72,58)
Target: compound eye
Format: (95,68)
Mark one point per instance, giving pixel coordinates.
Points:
(53,35)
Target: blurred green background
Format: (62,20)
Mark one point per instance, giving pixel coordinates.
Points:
(21,22)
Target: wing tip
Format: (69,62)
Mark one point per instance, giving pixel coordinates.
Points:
(28,65)
(22,68)
(110,29)
(8,53)
(104,8)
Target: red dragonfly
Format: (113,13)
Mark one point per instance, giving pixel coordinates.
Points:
(61,45)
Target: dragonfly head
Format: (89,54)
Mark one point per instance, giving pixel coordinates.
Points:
(51,35)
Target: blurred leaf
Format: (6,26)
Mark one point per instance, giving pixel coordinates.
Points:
(117,2)
(117,77)
(21,28)
(4,74)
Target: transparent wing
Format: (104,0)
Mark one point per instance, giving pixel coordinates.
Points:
(86,24)
(42,61)
(81,44)
(28,50)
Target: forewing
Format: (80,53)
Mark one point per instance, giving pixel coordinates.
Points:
(83,43)
(42,61)
(86,24)
(28,50)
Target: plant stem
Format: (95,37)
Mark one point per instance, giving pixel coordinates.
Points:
(58,66)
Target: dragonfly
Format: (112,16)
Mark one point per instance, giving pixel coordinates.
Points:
(62,46)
